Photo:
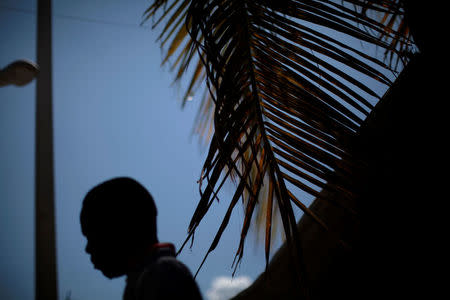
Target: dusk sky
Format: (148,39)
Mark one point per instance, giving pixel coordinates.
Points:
(116,113)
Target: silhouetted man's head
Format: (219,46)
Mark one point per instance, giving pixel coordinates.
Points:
(118,219)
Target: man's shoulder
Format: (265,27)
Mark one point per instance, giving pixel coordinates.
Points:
(167,278)
(167,265)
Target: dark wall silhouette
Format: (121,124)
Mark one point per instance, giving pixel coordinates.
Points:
(394,243)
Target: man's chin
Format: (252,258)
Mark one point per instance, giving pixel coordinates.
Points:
(111,274)
(109,270)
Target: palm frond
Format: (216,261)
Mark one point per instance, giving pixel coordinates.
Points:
(288,92)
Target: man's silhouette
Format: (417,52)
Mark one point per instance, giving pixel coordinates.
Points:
(118,219)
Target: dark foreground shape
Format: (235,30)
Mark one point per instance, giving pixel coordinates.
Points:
(394,243)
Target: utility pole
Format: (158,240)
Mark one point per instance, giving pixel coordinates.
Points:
(45,242)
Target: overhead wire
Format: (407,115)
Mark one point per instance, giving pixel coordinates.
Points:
(76,18)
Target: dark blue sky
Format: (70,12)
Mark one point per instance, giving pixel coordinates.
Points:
(115,114)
